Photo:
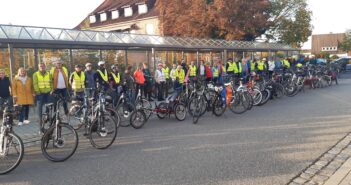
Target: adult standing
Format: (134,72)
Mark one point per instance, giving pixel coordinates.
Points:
(78,81)
(165,70)
(192,72)
(230,68)
(115,83)
(5,86)
(139,80)
(160,79)
(23,94)
(148,82)
(90,82)
(129,83)
(42,83)
(60,82)
(101,76)
(271,67)
(202,71)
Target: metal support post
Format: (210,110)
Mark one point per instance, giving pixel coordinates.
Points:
(11,60)
(126,58)
(71,62)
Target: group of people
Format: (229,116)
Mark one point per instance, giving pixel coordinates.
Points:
(44,83)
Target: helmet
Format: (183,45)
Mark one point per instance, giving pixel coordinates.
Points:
(101,63)
(114,66)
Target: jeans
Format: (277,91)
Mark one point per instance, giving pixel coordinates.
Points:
(62,93)
(42,99)
(160,88)
(24,113)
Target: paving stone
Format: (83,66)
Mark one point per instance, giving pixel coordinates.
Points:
(320,163)
(294,183)
(300,180)
(326,172)
(311,183)
(319,179)
(332,167)
(334,151)
(346,151)
(340,158)
(311,171)
(306,176)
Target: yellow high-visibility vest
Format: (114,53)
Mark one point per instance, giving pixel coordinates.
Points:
(238,69)
(166,72)
(116,78)
(78,81)
(43,81)
(104,76)
(192,71)
(215,73)
(260,66)
(286,63)
(180,74)
(231,66)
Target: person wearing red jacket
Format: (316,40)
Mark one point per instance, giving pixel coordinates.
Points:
(208,71)
(139,80)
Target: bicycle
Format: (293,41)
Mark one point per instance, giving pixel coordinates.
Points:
(11,145)
(98,120)
(60,140)
(172,105)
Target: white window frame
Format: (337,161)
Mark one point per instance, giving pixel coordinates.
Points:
(150,29)
(103,17)
(142,8)
(114,14)
(92,19)
(128,11)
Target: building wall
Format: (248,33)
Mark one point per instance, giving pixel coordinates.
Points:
(328,42)
(143,24)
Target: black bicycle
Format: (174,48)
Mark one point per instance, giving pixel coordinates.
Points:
(11,145)
(60,140)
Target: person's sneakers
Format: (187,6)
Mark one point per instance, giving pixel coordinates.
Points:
(20,123)
(26,122)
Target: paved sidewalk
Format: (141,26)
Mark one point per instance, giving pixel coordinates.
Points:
(342,176)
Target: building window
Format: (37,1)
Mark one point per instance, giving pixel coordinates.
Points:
(103,17)
(114,14)
(128,11)
(92,19)
(150,29)
(142,8)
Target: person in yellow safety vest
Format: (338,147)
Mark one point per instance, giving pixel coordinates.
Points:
(101,76)
(238,69)
(115,82)
(253,66)
(78,81)
(261,66)
(42,83)
(230,67)
(192,72)
(166,71)
(215,73)
(286,63)
(60,82)
(180,77)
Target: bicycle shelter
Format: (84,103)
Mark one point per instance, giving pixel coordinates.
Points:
(36,38)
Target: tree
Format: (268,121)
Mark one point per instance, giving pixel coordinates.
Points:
(290,22)
(345,45)
(286,21)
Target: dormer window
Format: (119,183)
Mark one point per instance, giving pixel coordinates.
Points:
(128,11)
(114,14)
(142,8)
(92,19)
(103,17)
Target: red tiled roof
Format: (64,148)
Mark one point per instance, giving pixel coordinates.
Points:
(109,5)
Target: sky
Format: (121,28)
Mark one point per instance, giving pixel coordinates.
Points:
(328,15)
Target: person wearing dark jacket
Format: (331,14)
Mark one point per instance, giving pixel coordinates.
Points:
(89,77)
(101,76)
(129,83)
(148,82)
(5,86)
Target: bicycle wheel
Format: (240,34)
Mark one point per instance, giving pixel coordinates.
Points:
(239,103)
(76,116)
(193,104)
(197,111)
(180,111)
(219,106)
(266,94)
(12,155)
(257,96)
(143,103)
(103,131)
(59,144)
(138,119)
(250,99)
(163,110)
(124,111)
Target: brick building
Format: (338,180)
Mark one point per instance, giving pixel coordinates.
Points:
(328,43)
